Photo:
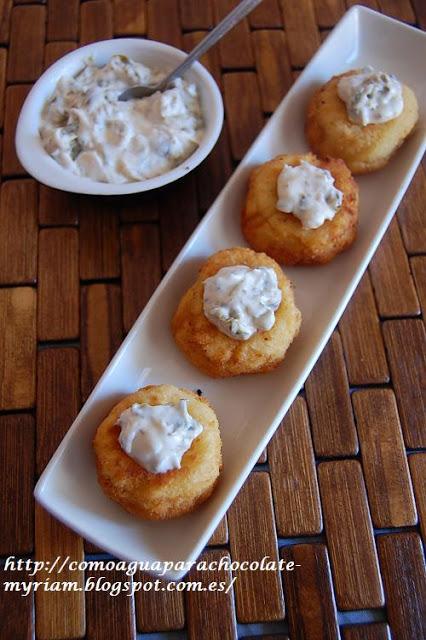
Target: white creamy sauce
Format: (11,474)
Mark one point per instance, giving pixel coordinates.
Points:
(157,436)
(240,301)
(89,131)
(371,96)
(308,192)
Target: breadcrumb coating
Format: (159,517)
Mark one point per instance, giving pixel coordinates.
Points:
(281,235)
(159,496)
(364,148)
(219,355)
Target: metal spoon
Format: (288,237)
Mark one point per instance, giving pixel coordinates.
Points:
(237,14)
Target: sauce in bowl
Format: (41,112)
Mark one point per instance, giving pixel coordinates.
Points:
(87,130)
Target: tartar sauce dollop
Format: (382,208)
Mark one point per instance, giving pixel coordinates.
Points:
(89,131)
(157,436)
(371,96)
(308,192)
(240,300)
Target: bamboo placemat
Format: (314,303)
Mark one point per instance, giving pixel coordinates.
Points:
(341,490)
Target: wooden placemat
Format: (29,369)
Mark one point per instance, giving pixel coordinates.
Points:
(341,489)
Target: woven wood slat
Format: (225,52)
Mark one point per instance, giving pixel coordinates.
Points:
(55,50)
(405,341)
(109,617)
(196,15)
(417,462)
(411,212)
(18,346)
(101,331)
(3,63)
(178,218)
(164,30)
(267,15)
(390,274)
(273,67)
(62,19)
(404,576)
(15,96)
(142,207)
(350,537)
(91,548)
(235,48)
(243,110)
(214,172)
(310,582)
(28,25)
(370,4)
(296,494)
(220,535)
(18,232)
(362,338)
(267,637)
(323,34)
(301,30)
(57,208)
(58,399)
(252,536)
(328,12)
(129,17)
(59,614)
(96,21)
(140,246)
(418,269)
(58,310)
(399,9)
(17,445)
(333,428)
(211,615)
(158,610)
(5,11)
(420,11)
(384,460)
(378,631)
(99,240)
(263,458)
(16,612)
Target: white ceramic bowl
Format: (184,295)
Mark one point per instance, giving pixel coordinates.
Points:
(44,168)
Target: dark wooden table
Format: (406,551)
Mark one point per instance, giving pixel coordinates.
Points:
(341,490)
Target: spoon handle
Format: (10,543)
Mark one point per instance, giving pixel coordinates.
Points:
(229,21)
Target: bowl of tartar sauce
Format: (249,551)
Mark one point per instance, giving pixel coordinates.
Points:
(75,135)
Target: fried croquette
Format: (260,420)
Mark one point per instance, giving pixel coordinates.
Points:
(367,148)
(160,496)
(281,235)
(218,354)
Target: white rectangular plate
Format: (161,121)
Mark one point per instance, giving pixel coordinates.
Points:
(249,408)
